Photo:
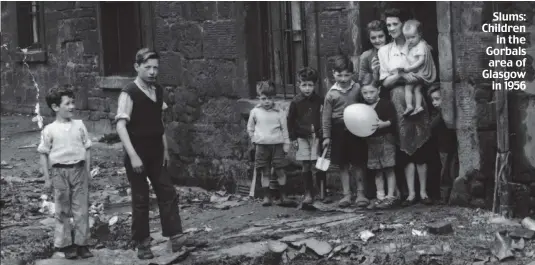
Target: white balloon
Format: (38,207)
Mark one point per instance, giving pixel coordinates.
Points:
(359,119)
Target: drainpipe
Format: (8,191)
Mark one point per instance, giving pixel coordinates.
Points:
(316,17)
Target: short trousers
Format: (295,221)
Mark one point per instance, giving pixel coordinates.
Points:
(347,148)
(307,149)
(270,155)
(381,151)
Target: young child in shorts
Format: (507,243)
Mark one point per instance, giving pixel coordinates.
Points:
(304,127)
(382,145)
(346,148)
(65,147)
(420,69)
(267,127)
(447,144)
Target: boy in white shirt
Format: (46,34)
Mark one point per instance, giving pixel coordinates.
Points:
(65,146)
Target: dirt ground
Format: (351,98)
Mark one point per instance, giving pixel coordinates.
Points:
(240,231)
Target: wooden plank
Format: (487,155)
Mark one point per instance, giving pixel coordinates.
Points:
(502,178)
(274,29)
(354,22)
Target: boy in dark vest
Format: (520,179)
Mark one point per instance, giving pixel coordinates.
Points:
(140,127)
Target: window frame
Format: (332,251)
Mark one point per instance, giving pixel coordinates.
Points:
(146,28)
(22,54)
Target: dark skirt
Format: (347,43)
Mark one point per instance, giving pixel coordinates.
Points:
(422,155)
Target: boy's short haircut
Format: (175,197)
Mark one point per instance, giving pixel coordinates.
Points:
(435,87)
(144,54)
(55,94)
(413,24)
(307,74)
(342,63)
(371,82)
(266,88)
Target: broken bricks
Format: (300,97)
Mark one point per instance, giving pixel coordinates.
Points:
(277,246)
(522,233)
(501,247)
(528,223)
(440,228)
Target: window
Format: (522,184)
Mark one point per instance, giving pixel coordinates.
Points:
(276,44)
(121,37)
(30,28)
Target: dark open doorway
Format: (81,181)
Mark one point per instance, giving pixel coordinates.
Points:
(425,12)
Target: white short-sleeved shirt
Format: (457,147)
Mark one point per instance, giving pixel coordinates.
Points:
(415,51)
(64,142)
(391,58)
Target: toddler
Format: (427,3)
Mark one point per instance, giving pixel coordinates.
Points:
(420,69)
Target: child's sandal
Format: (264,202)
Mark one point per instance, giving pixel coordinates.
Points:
(417,110)
(362,202)
(345,202)
(266,202)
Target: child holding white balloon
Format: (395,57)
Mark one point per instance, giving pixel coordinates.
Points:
(346,149)
(382,145)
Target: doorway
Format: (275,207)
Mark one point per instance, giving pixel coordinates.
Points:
(425,12)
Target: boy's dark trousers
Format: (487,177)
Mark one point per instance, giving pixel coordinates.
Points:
(150,150)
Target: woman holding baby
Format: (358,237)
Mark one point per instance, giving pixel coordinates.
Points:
(404,67)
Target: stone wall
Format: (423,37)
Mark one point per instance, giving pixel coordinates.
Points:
(72,58)
(475,105)
(203,71)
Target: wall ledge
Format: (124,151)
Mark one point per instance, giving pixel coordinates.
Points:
(31,56)
(114,82)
